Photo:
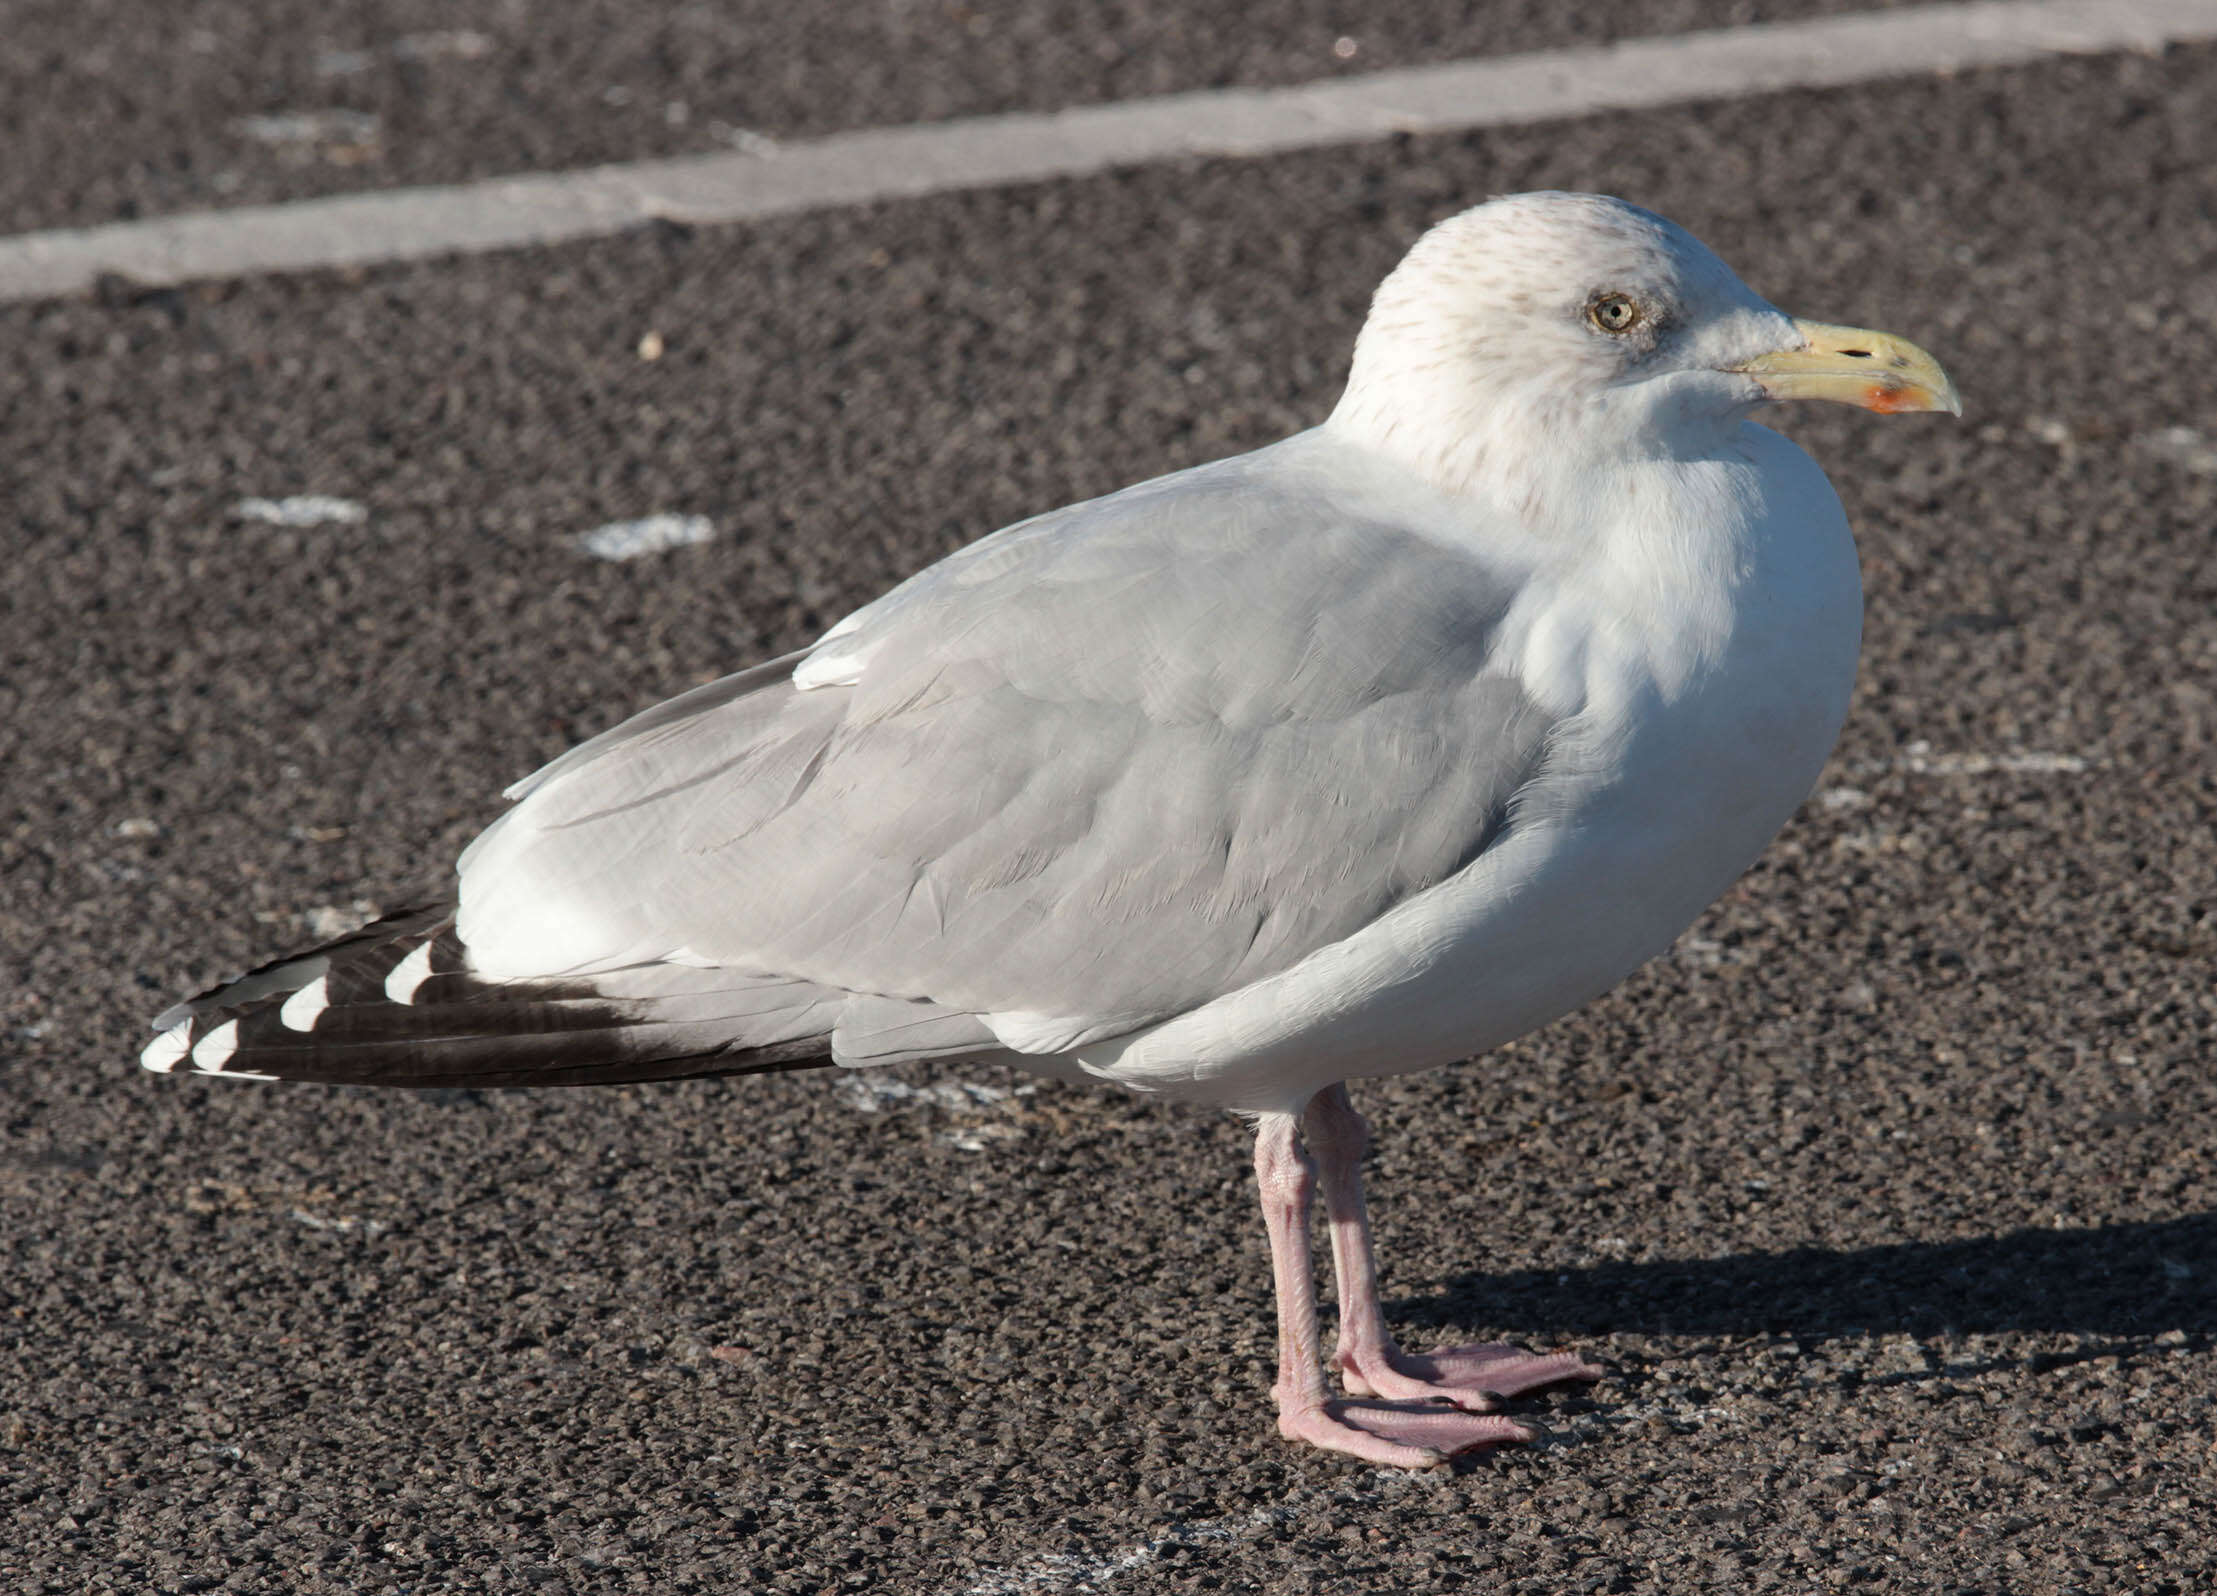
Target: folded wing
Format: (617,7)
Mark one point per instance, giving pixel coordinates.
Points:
(1085,775)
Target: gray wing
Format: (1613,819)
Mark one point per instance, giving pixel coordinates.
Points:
(1094,771)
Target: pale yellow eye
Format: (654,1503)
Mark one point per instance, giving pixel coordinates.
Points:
(1614,313)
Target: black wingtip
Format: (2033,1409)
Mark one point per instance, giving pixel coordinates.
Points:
(395,1004)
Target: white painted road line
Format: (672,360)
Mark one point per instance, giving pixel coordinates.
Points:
(983,152)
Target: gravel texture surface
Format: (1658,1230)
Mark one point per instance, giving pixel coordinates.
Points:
(1889,1198)
(206,103)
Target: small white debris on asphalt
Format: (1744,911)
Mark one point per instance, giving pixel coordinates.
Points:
(345,1225)
(1707,953)
(2183,446)
(453,44)
(874,1095)
(979,1138)
(1918,759)
(445,44)
(306,509)
(310,127)
(627,540)
(327,920)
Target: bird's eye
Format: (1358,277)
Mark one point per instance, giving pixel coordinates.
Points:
(1614,313)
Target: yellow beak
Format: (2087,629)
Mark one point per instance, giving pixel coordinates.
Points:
(1853,366)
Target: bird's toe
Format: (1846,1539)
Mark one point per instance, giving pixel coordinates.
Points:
(1412,1435)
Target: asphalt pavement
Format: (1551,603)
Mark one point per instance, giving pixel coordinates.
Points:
(1888,1197)
(226,102)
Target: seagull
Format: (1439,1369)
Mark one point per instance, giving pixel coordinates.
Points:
(1360,754)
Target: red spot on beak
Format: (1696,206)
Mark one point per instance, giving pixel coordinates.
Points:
(1888,401)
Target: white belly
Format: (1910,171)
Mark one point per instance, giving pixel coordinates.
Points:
(1668,792)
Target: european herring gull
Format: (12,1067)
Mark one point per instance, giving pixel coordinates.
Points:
(1359,754)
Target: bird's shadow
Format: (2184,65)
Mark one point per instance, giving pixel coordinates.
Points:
(2108,1281)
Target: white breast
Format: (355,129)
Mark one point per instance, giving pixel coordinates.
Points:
(1706,676)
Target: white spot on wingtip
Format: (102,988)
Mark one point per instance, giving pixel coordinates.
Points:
(212,1050)
(409,974)
(301,1009)
(161,1054)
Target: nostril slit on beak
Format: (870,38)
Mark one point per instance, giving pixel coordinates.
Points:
(1856,354)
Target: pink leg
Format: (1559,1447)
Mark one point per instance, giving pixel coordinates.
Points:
(1369,1364)
(1404,1435)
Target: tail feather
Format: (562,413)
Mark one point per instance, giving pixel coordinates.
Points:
(395,1004)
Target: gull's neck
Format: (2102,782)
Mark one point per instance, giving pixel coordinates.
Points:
(1520,444)
(1640,510)
(1428,395)
(1452,439)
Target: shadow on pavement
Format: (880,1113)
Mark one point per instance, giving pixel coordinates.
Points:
(2113,1280)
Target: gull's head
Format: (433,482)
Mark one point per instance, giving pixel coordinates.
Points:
(1580,326)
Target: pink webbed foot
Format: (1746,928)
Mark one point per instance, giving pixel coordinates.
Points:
(1475,1377)
(1404,1411)
(1409,1435)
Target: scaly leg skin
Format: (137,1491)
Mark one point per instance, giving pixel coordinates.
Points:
(1398,1434)
(1474,1377)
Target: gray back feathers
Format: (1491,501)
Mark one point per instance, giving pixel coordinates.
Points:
(1104,766)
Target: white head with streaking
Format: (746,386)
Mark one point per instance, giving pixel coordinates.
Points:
(1567,328)
(1362,753)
